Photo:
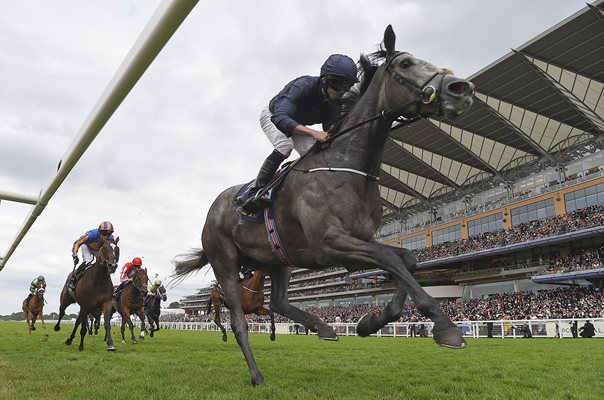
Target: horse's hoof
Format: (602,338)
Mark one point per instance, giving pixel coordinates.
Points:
(68,342)
(33,328)
(123,341)
(151,334)
(224,338)
(81,349)
(450,337)
(57,328)
(272,337)
(257,379)
(364,326)
(111,348)
(134,341)
(141,337)
(326,332)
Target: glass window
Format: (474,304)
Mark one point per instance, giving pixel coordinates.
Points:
(532,212)
(485,224)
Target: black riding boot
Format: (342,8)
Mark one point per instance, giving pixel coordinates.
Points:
(266,173)
(74,276)
(119,289)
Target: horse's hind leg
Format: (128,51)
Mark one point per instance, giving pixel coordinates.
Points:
(226,271)
(280,304)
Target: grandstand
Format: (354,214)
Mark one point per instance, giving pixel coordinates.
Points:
(507,199)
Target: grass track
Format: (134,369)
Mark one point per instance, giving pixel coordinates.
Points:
(198,365)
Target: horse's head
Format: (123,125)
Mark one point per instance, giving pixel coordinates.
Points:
(40,290)
(41,285)
(161,291)
(109,254)
(414,87)
(141,280)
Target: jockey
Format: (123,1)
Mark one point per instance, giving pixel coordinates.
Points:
(128,271)
(245,273)
(34,285)
(153,287)
(306,100)
(90,243)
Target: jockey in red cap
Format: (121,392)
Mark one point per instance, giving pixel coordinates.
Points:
(128,271)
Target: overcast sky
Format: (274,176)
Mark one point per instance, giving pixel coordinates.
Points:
(189,128)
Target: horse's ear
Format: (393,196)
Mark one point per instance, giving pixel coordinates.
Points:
(117,239)
(389,39)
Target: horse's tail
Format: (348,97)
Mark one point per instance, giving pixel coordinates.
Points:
(189,263)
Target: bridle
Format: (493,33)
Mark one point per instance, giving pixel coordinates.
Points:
(143,287)
(428,93)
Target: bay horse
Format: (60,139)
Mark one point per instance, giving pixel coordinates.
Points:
(153,308)
(329,208)
(33,307)
(130,302)
(251,294)
(93,291)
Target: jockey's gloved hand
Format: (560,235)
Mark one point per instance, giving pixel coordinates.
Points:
(76,260)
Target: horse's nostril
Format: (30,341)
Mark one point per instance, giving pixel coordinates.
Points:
(461,88)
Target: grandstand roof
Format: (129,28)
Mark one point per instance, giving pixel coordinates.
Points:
(534,108)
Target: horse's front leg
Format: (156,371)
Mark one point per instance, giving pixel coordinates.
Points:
(107,313)
(226,270)
(83,317)
(338,247)
(371,323)
(126,317)
(141,315)
(33,316)
(41,316)
(265,311)
(280,304)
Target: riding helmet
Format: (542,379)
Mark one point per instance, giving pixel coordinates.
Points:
(137,262)
(340,67)
(41,278)
(106,226)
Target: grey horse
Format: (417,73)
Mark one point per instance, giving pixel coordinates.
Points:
(329,217)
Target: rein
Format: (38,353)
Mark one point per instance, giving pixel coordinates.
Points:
(251,290)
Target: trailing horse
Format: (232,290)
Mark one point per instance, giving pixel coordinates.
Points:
(130,302)
(153,308)
(329,217)
(93,291)
(251,294)
(33,307)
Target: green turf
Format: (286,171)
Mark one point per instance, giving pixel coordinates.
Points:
(198,365)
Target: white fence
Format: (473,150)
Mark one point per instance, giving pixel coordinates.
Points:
(551,328)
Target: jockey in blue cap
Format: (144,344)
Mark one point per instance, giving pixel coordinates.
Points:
(90,243)
(306,100)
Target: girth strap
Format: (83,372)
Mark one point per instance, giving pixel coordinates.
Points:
(273,237)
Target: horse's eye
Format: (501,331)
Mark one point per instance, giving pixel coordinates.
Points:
(406,63)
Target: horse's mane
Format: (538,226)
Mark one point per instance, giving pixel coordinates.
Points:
(368,65)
